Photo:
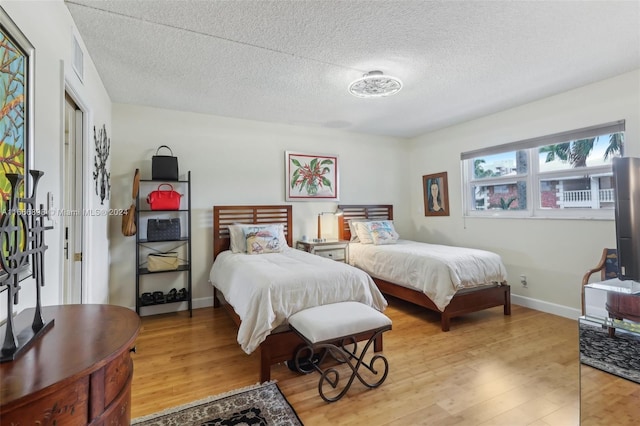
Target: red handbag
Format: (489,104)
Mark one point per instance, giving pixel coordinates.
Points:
(164,199)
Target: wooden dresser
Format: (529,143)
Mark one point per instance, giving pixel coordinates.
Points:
(78,373)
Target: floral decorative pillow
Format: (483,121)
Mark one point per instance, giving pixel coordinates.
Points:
(263,239)
(382,232)
(238,242)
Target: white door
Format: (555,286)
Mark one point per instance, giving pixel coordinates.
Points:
(72,203)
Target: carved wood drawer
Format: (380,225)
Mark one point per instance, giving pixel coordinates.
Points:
(117,373)
(66,406)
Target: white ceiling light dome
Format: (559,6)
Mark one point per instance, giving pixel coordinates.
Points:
(375,84)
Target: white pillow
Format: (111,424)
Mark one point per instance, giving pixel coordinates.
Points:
(353,231)
(363,233)
(239,241)
(261,239)
(382,232)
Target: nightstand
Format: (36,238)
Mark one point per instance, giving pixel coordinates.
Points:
(335,250)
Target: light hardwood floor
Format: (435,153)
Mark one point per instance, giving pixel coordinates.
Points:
(490,369)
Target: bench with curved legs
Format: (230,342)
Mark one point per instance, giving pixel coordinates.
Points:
(330,330)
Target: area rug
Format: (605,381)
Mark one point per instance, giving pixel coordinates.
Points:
(619,355)
(262,404)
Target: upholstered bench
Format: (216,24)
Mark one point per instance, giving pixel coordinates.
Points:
(329,329)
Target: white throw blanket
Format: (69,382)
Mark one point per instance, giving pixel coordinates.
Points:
(266,289)
(436,270)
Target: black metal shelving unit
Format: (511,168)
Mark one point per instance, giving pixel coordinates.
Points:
(144,246)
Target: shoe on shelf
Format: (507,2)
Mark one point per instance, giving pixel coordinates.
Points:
(146,299)
(158,297)
(172,296)
(182,294)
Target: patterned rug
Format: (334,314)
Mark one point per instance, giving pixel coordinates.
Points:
(262,404)
(619,355)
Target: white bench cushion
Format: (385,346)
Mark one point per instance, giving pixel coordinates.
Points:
(336,320)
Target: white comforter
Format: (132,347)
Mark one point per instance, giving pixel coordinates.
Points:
(436,270)
(266,289)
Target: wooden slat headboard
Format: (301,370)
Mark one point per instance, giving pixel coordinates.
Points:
(361,211)
(223,216)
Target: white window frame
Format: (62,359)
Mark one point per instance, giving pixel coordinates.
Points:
(533,176)
(468,182)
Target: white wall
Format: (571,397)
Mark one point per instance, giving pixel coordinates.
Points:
(239,162)
(48,26)
(554,254)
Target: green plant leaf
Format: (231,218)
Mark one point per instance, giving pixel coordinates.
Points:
(506,204)
(294,177)
(296,162)
(326,182)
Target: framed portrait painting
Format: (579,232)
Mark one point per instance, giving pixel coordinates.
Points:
(311,177)
(436,194)
(16,109)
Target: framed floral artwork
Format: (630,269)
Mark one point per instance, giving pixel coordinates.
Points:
(436,194)
(311,176)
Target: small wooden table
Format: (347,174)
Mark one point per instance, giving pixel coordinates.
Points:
(77,373)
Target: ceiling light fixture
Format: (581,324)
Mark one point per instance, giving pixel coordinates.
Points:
(374,84)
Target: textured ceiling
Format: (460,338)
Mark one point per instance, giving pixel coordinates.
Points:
(291,61)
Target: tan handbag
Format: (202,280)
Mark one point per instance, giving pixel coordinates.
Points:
(129,222)
(167,261)
(129,218)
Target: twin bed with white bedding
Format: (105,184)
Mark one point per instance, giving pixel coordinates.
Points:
(263,282)
(265,290)
(452,281)
(438,271)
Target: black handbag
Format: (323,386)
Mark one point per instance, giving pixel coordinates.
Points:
(164,167)
(163,229)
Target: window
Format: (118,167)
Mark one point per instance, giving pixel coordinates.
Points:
(563,175)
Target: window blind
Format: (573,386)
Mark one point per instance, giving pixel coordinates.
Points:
(571,135)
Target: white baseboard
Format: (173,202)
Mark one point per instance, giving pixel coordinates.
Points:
(548,307)
(538,305)
(527,302)
(203,302)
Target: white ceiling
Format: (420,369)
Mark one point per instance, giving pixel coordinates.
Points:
(291,61)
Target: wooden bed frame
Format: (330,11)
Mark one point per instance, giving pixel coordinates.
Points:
(279,346)
(463,302)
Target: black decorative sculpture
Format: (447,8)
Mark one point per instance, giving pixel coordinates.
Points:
(22,239)
(100,174)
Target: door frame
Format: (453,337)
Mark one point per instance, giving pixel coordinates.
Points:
(83,204)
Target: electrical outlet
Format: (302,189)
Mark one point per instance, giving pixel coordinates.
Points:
(523,280)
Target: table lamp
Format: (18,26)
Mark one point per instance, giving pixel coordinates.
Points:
(337,212)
